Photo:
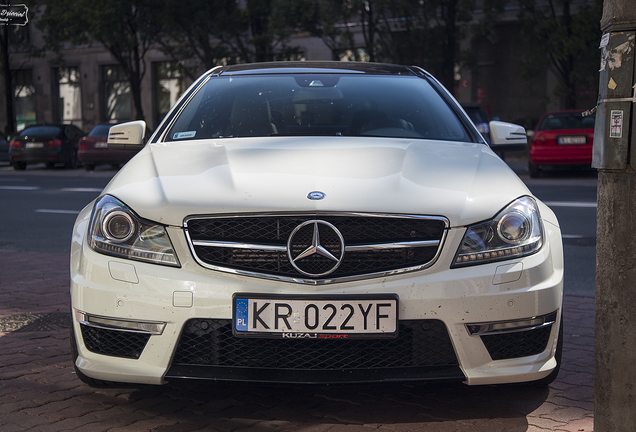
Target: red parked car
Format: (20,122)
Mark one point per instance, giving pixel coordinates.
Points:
(93,149)
(561,139)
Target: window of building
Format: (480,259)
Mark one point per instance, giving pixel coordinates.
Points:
(116,99)
(169,85)
(355,54)
(24,98)
(67,92)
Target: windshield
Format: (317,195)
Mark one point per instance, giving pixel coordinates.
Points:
(100,130)
(318,104)
(41,131)
(563,121)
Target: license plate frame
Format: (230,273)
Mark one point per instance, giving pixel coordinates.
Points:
(32,145)
(287,316)
(572,140)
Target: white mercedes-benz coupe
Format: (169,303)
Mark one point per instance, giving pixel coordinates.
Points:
(316,222)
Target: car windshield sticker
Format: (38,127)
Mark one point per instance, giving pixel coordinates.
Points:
(181,135)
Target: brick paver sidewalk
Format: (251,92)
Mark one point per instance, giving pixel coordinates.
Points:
(39,391)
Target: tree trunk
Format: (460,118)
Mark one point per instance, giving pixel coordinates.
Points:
(8,84)
(448,59)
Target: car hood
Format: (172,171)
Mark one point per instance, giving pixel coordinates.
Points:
(464,182)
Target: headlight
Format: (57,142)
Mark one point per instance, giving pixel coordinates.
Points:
(515,232)
(115,230)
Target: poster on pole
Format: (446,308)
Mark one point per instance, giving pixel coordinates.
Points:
(616,128)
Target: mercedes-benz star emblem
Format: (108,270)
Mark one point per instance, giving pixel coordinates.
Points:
(315,248)
(316,195)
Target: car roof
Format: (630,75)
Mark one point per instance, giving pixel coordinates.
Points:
(46,124)
(570,111)
(317,67)
(471,105)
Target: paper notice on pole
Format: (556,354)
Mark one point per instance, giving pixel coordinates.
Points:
(616,128)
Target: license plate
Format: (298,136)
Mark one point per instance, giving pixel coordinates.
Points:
(101,144)
(315,317)
(34,145)
(571,140)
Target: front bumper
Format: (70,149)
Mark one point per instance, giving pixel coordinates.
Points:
(43,155)
(438,297)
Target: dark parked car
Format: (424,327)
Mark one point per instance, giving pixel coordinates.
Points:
(49,144)
(479,116)
(93,149)
(4,148)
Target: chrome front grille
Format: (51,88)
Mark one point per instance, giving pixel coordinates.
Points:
(315,247)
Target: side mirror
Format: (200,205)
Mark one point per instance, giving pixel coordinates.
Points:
(507,136)
(127,136)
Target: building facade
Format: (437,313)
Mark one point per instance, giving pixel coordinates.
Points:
(85,86)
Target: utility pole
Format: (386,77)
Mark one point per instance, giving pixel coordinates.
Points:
(615,158)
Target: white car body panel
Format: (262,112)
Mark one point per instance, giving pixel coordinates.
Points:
(361,174)
(456,296)
(464,182)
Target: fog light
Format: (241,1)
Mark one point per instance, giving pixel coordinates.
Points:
(498,327)
(149,327)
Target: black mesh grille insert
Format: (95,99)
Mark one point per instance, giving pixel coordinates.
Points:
(276,230)
(519,344)
(208,342)
(114,343)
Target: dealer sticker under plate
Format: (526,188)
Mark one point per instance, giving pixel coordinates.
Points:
(340,317)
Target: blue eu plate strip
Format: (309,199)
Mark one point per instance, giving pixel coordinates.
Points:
(240,317)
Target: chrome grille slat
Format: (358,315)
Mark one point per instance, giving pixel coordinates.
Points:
(239,245)
(256,244)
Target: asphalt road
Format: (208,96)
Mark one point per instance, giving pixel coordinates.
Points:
(572,197)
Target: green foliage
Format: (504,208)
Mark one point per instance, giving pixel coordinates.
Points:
(200,34)
(565,35)
(126,28)
(203,33)
(487,26)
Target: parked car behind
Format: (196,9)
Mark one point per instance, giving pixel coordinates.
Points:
(4,148)
(93,149)
(316,222)
(48,143)
(562,139)
(479,116)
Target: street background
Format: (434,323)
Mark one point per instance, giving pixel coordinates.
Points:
(39,390)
